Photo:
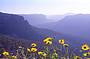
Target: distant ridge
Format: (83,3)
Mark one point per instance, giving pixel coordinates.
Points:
(15,26)
(76,25)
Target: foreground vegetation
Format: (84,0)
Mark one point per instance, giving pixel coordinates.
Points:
(46,50)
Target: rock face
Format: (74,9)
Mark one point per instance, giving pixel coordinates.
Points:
(16,26)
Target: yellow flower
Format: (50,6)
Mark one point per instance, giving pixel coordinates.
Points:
(5,53)
(85,54)
(66,45)
(85,47)
(48,39)
(48,43)
(77,57)
(28,49)
(61,41)
(33,45)
(42,53)
(33,49)
(45,41)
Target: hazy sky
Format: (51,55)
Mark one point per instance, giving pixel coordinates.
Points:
(45,6)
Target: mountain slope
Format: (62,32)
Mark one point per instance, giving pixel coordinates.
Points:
(16,26)
(35,19)
(76,25)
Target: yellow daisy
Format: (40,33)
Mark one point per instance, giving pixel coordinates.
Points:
(85,47)
(61,41)
(45,41)
(33,45)
(33,49)
(85,54)
(48,39)
(48,43)
(5,53)
(42,53)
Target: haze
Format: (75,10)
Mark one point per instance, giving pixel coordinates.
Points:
(47,7)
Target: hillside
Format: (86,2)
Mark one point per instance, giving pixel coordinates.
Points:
(10,43)
(16,26)
(35,19)
(75,25)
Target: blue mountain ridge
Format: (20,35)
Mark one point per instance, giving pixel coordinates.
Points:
(16,26)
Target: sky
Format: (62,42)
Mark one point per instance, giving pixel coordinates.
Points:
(48,7)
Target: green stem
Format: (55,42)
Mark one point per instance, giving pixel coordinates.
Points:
(67,56)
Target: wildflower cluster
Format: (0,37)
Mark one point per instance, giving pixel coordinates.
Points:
(49,51)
